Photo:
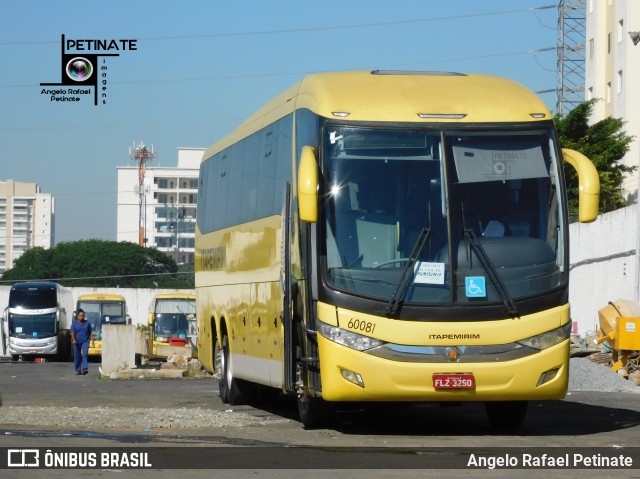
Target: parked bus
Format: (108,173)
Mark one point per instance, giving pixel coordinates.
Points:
(101,309)
(170,316)
(37,321)
(390,236)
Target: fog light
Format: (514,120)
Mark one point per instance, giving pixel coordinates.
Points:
(547,376)
(352,377)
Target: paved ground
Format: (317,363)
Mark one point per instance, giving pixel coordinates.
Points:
(604,420)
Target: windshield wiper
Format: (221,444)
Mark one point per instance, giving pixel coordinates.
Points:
(407,272)
(488,266)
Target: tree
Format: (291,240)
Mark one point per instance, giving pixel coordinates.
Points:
(605,144)
(99,263)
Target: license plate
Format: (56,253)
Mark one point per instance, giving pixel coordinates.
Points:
(453,381)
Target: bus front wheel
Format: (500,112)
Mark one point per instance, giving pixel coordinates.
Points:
(314,412)
(506,416)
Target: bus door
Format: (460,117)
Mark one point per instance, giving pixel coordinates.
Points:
(286,284)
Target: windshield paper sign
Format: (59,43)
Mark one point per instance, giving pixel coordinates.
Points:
(429,273)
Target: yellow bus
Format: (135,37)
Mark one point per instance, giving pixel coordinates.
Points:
(100,309)
(390,236)
(169,329)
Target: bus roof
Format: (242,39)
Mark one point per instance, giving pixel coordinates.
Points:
(100,297)
(36,284)
(399,97)
(176,295)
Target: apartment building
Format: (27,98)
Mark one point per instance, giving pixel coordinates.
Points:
(26,220)
(612,70)
(164,207)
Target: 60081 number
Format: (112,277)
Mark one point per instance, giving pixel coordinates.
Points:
(361,325)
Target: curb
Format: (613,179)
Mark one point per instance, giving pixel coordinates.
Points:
(147,374)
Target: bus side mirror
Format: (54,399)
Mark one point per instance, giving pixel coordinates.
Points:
(589,185)
(308,185)
(150,319)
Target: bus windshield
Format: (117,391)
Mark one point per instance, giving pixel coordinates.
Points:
(171,317)
(488,201)
(169,325)
(99,313)
(28,326)
(33,298)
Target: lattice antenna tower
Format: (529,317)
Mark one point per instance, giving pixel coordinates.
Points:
(141,154)
(572,25)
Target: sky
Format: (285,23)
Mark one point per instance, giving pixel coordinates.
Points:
(201,67)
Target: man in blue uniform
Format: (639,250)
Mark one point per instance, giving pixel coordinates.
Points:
(81,335)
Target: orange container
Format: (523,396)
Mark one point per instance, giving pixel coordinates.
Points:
(628,333)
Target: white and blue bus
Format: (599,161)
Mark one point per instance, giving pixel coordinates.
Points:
(37,321)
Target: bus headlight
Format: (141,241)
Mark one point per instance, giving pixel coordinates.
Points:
(347,338)
(548,339)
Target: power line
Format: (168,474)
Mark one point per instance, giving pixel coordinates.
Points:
(264,75)
(352,26)
(97,277)
(306,72)
(118,125)
(478,57)
(313,29)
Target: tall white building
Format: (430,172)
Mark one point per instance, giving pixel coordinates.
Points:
(169,198)
(612,71)
(26,220)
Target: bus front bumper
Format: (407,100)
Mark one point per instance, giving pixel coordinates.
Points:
(19,346)
(380,379)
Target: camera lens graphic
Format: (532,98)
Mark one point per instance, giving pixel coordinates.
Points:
(79,69)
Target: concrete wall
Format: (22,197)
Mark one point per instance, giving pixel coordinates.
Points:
(603,265)
(138,299)
(118,348)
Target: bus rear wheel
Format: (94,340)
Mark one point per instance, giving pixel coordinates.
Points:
(506,416)
(232,390)
(218,366)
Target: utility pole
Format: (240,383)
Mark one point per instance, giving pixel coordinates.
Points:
(141,154)
(572,24)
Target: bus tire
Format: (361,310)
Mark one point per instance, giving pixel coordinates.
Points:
(506,416)
(314,412)
(218,366)
(232,390)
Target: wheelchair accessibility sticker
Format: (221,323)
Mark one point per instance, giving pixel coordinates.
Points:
(475,287)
